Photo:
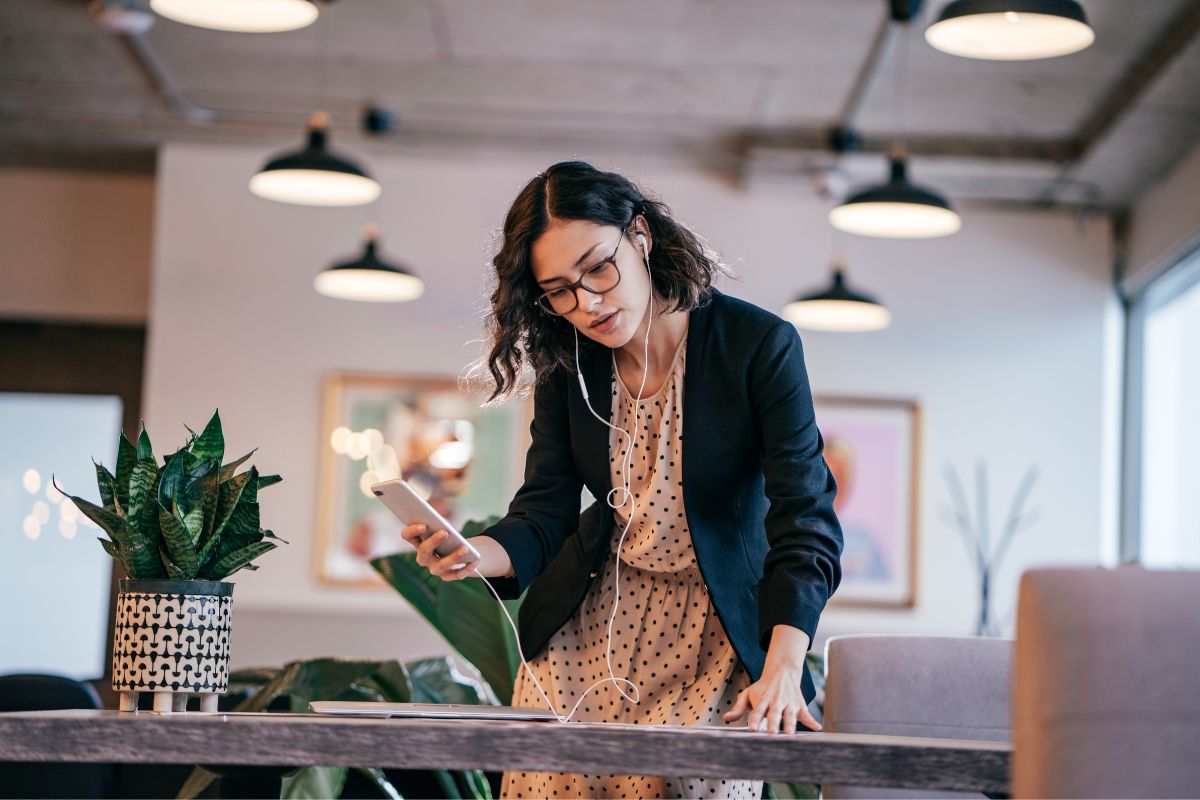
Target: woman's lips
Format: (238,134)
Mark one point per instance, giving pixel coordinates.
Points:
(606,324)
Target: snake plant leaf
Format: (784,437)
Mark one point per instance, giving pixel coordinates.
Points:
(228,495)
(126,458)
(200,492)
(111,549)
(143,501)
(211,443)
(171,479)
(145,452)
(230,468)
(173,572)
(218,548)
(466,615)
(238,559)
(193,523)
(244,520)
(269,480)
(180,546)
(139,555)
(107,484)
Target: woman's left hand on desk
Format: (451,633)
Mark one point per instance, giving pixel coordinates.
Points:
(775,701)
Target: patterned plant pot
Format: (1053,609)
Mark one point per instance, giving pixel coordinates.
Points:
(172,638)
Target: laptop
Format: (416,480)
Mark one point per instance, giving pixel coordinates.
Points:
(354,708)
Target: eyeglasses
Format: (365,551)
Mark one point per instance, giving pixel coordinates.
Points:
(599,279)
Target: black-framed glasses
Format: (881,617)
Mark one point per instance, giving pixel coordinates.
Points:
(598,279)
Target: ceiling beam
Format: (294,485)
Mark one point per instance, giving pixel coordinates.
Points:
(1153,61)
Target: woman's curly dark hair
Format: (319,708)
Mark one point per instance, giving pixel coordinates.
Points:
(682,267)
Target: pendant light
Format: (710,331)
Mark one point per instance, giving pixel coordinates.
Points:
(247,16)
(837,309)
(369,278)
(314,176)
(896,209)
(1011,30)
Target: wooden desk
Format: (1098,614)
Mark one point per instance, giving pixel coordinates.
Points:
(305,739)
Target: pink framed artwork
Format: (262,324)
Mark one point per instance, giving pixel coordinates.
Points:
(871,449)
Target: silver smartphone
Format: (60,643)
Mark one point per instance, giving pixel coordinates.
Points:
(411,509)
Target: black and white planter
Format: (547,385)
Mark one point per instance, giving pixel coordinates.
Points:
(172,638)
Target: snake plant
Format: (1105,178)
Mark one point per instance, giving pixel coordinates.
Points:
(190,518)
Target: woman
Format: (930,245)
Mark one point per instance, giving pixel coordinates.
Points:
(725,550)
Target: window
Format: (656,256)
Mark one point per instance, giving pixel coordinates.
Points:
(55,592)
(1168,468)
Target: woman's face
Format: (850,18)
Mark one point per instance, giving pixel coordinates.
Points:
(567,250)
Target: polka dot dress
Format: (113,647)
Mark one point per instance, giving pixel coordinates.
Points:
(666,637)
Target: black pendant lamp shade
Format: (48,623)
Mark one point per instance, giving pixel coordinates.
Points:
(837,309)
(314,176)
(897,209)
(1011,30)
(369,278)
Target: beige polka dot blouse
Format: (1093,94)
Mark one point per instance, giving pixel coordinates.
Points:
(666,638)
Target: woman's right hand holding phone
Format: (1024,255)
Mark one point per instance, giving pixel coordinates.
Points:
(493,561)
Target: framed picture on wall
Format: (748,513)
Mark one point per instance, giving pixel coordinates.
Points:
(467,461)
(871,449)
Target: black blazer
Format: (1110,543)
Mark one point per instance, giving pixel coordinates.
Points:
(757,493)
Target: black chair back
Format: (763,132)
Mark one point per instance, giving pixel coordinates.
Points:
(48,693)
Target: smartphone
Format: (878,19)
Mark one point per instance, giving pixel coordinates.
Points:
(411,509)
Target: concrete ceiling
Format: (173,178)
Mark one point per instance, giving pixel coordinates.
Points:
(747,89)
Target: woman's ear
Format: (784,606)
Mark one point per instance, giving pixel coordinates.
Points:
(641,235)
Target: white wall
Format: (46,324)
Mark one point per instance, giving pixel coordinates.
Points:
(76,245)
(1164,224)
(1000,333)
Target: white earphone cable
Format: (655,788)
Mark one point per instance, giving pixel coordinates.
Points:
(626,498)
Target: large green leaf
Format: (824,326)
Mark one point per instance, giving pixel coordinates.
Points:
(211,443)
(107,484)
(465,613)
(180,544)
(380,781)
(126,458)
(238,559)
(323,679)
(439,680)
(314,783)
(333,679)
